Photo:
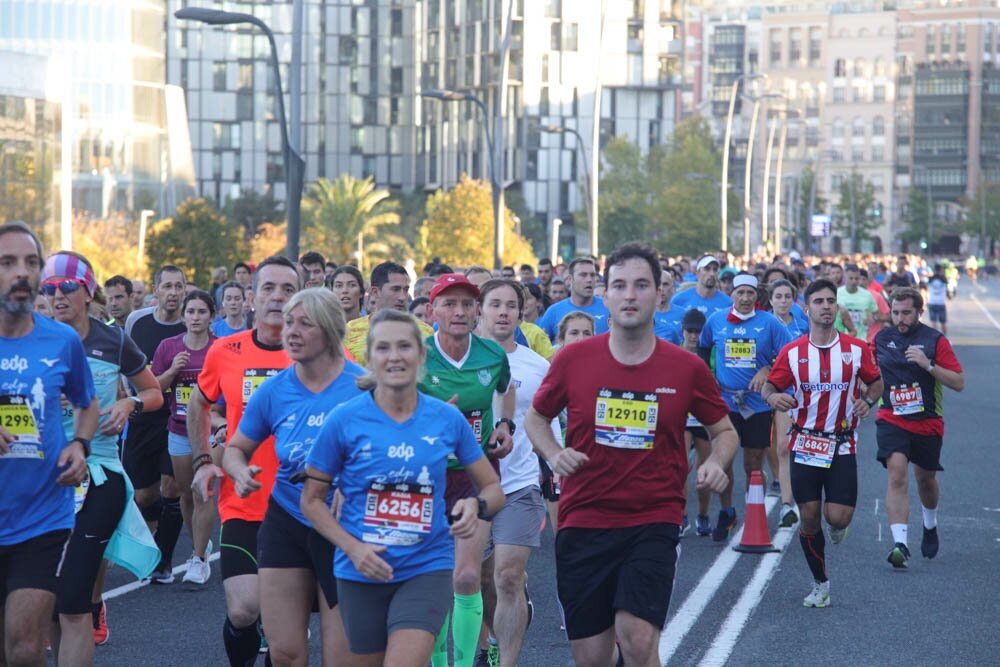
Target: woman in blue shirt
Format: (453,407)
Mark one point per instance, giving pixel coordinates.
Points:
(389,449)
(293,559)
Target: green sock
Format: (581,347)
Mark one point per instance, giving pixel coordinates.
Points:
(440,656)
(465,627)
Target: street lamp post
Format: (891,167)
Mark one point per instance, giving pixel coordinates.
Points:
(591,176)
(778,182)
(294,163)
(751,139)
(496,188)
(723,202)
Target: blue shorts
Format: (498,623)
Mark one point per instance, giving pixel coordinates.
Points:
(178,445)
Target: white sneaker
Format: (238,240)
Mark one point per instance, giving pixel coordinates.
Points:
(837,535)
(198,570)
(820,596)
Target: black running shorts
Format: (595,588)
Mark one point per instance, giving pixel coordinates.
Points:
(838,483)
(238,547)
(920,450)
(34,563)
(285,542)
(754,431)
(144,454)
(602,570)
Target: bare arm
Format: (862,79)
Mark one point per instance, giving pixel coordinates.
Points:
(147,390)
(501,440)
(235,461)
(466,510)
(73,457)
(199,424)
(563,462)
(725,444)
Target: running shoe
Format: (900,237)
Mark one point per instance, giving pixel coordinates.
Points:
(488,657)
(101,632)
(775,489)
(899,556)
(162,575)
(703,525)
(929,544)
(820,596)
(198,571)
(789,517)
(727,522)
(837,535)
(685,526)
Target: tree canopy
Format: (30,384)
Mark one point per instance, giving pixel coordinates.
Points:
(196,239)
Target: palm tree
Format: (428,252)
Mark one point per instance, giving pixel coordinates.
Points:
(340,214)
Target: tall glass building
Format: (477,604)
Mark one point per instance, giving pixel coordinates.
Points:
(112,55)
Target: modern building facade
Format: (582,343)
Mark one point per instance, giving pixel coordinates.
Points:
(111,55)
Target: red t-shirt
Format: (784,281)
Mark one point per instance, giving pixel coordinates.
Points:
(629,421)
(235,367)
(944,356)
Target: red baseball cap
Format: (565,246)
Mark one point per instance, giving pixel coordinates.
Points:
(450,280)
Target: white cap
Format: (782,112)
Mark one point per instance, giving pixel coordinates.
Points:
(745,280)
(706,260)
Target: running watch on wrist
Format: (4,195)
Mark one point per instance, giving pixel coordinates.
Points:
(930,366)
(484,513)
(84,442)
(137,409)
(871,401)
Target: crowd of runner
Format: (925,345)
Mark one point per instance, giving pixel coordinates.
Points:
(386,449)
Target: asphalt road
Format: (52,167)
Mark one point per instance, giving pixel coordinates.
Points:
(741,609)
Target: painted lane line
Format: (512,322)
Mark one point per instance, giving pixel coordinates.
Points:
(136,585)
(722,647)
(985,312)
(682,622)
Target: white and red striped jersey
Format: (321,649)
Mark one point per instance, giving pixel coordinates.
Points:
(826,381)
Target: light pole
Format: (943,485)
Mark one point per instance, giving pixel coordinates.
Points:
(751,136)
(295,165)
(930,205)
(591,177)
(496,188)
(723,203)
(777,181)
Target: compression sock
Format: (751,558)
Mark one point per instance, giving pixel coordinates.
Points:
(898,532)
(151,513)
(814,547)
(930,518)
(169,529)
(242,644)
(440,656)
(465,626)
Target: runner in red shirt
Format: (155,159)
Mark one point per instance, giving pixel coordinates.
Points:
(826,370)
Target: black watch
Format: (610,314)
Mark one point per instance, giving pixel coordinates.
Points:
(509,422)
(871,401)
(137,409)
(84,442)
(484,513)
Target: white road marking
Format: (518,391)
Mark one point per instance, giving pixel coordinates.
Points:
(682,622)
(722,647)
(136,585)
(985,312)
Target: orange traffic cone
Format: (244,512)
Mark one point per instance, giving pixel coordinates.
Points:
(756,539)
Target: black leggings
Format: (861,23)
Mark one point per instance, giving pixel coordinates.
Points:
(95,524)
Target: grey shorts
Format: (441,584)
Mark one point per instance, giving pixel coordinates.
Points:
(372,612)
(938,314)
(519,523)
(178,445)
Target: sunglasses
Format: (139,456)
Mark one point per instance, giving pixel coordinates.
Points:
(65,286)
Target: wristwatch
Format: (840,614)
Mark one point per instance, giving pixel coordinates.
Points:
(137,409)
(930,366)
(509,422)
(483,514)
(871,401)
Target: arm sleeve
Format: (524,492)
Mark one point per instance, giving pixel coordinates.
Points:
(210,377)
(869,370)
(781,373)
(504,379)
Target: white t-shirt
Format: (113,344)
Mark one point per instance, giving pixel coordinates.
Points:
(937,291)
(519,469)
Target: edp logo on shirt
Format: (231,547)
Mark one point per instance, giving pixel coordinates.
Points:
(401,451)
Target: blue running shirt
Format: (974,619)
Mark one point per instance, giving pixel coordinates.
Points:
(393,477)
(550,320)
(34,371)
(688,299)
(285,408)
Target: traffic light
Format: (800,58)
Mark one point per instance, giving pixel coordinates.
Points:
(877,210)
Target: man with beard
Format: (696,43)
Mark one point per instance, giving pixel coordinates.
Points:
(144,451)
(917,361)
(41,361)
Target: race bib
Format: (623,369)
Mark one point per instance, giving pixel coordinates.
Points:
(625,419)
(814,450)
(182,396)
(253,378)
(475,419)
(740,353)
(906,399)
(398,514)
(16,416)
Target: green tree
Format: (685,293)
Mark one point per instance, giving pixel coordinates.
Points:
(624,195)
(336,213)
(459,228)
(251,210)
(984,208)
(196,239)
(916,222)
(811,200)
(853,216)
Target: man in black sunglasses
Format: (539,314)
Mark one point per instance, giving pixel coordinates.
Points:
(144,452)
(40,360)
